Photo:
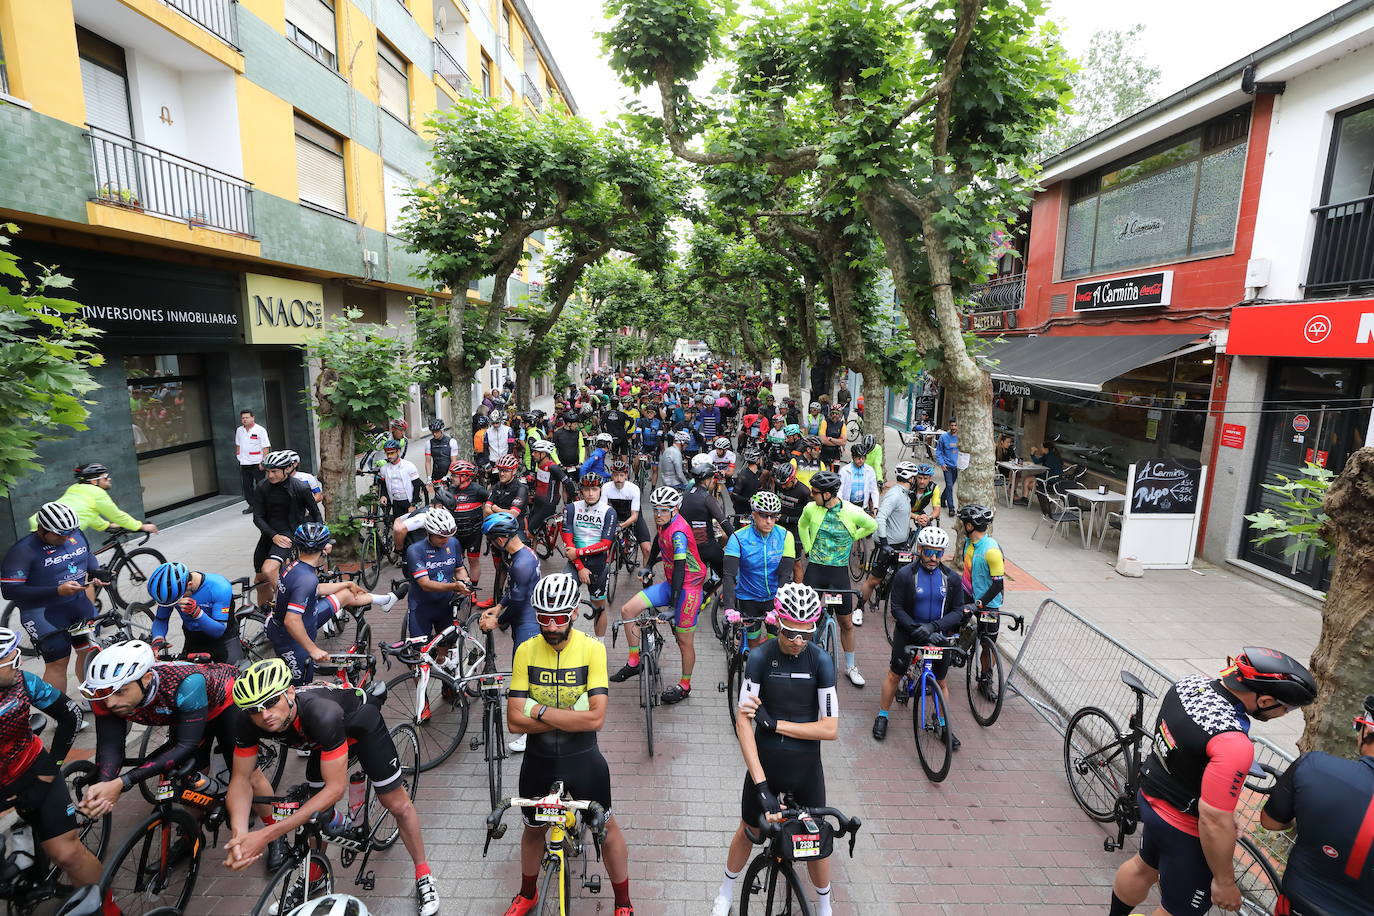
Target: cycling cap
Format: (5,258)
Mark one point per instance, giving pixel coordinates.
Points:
(92,471)
(436,424)
(500,525)
(721,442)
(590,479)
(439,520)
(507,463)
(1271,673)
(261,681)
(925,470)
(542,445)
(703,467)
(168,583)
(282,460)
(798,603)
(59,518)
(666,498)
(784,473)
(766,501)
(977,516)
(9,641)
(331,905)
(826,481)
(391,444)
(556,593)
(907,471)
(791,429)
(118,665)
(463,469)
(311,536)
(934,537)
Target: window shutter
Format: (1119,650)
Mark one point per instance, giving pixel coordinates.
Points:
(316,19)
(107,99)
(320,166)
(395,184)
(392,83)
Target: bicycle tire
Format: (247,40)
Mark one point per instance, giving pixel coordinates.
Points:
(10,620)
(758,898)
(1094,756)
(147,886)
(369,557)
(442,730)
(734,680)
(718,625)
(555,873)
(646,696)
(130,574)
(148,787)
(612,584)
(889,622)
(931,731)
(853,430)
(253,636)
(832,641)
(985,711)
(542,542)
(1257,878)
(496,749)
(858,559)
(286,891)
(94,833)
(385,830)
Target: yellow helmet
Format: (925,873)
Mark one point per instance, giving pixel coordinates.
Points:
(261,681)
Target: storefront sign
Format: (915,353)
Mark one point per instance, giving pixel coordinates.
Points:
(1140,291)
(1318,457)
(1319,329)
(1301,423)
(989,321)
(1163,486)
(1232,435)
(278,311)
(1013,389)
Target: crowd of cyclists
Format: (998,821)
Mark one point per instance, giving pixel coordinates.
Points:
(756,500)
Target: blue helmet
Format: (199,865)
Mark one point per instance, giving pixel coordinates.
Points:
(311,536)
(925,470)
(500,525)
(167,585)
(390,444)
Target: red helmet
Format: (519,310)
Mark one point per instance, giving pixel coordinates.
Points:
(508,462)
(399,424)
(463,469)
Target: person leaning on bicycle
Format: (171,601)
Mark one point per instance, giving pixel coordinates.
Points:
(1331,799)
(926,600)
(29,778)
(1192,780)
(327,722)
(758,558)
(435,565)
(894,529)
(789,698)
(513,609)
(558,697)
(205,602)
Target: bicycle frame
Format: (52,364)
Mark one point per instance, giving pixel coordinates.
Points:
(562,814)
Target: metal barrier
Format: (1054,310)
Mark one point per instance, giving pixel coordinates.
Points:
(1064,662)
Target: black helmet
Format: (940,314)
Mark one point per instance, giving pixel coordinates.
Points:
(784,473)
(482,422)
(826,481)
(92,471)
(435,425)
(858,450)
(977,516)
(444,497)
(311,536)
(571,416)
(1271,673)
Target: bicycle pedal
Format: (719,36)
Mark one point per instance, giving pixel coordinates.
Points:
(592,884)
(367,882)
(1110,845)
(474,744)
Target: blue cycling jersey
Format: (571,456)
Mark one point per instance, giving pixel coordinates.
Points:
(296,591)
(650,431)
(596,461)
(214,598)
(920,596)
(521,577)
(439,564)
(759,556)
(32,571)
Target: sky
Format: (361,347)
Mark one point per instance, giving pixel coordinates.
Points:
(1186,39)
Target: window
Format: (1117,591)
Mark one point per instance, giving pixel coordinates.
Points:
(393,85)
(320,163)
(1352,157)
(505,27)
(171,426)
(395,184)
(486,76)
(310,24)
(4,76)
(1174,200)
(510,93)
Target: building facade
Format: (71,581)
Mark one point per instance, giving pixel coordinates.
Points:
(219,178)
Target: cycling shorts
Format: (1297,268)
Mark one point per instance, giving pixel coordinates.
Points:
(428,619)
(600,570)
(267,549)
(798,773)
(898,662)
(822,577)
(641,530)
(41,798)
(987,629)
(1185,878)
(688,604)
(48,628)
(471,542)
(540,511)
(585,776)
(753,613)
(224,649)
(375,751)
(293,653)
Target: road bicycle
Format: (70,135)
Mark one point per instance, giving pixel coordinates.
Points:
(771,886)
(929,717)
(376,544)
(737,628)
(859,555)
(548,537)
(650,672)
(984,680)
(566,839)
(491,685)
(129,569)
(827,627)
(430,696)
(348,632)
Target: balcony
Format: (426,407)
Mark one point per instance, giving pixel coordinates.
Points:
(450,70)
(143,178)
(1343,250)
(1000,294)
(218,17)
(536,98)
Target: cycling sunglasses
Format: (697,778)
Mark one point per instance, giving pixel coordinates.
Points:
(557,619)
(785,632)
(772,515)
(264,705)
(932,552)
(15,657)
(96,693)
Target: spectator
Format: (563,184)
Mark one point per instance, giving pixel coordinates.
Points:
(947,457)
(1045,454)
(1006,449)
(844,397)
(250,444)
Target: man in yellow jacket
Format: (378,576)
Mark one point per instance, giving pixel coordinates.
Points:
(90,499)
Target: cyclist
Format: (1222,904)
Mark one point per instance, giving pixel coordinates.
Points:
(775,447)
(894,529)
(681,590)
(440,451)
(205,602)
(624,498)
(723,459)
(1192,780)
(313,482)
(596,460)
(984,572)
(509,494)
(436,566)
(792,437)
(926,602)
(672,466)
(617,425)
(303,604)
(550,482)
(29,773)
(410,527)
(1329,869)
(281,503)
(327,722)
(758,558)
(90,499)
(814,418)
(925,497)
(708,418)
(703,512)
(513,611)
(858,482)
(46,574)
(790,699)
(480,425)
(500,439)
(401,483)
(810,461)
(649,431)
(469,508)
(746,482)
(558,697)
(567,441)
(833,438)
(829,528)
(589,526)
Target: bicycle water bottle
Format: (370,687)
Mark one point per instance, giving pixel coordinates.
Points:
(337,824)
(357,793)
(21,843)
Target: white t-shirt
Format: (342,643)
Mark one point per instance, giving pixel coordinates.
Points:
(615,493)
(311,479)
(398,478)
(252,444)
(498,442)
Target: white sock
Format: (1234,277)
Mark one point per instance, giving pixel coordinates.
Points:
(383,601)
(727,887)
(823,901)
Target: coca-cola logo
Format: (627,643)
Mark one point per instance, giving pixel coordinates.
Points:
(1317,329)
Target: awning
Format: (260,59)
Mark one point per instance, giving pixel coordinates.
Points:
(1079,363)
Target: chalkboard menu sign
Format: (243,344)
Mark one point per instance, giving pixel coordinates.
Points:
(1163,486)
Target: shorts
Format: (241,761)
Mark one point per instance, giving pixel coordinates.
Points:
(753,613)
(688,604)
(540,511)
(822,577)
(800,774)
(584,775)
(641,530)
(293,653)
(898,663)
(600,569)
(712,554)
(267,550)
(1185,878)
(428,619)
(226,649)
(41,798)
(523,630)
(471,542)
(374,750)
(48,628)
(987,629)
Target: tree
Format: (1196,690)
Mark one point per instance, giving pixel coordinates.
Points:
(46,353)
(1112,82)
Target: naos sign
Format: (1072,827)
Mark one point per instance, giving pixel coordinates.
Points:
(280,311)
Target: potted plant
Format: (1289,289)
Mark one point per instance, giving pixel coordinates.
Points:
(120,196)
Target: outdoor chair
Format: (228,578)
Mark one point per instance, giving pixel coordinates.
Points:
(1114,521)
(1001,483)
(1056,511)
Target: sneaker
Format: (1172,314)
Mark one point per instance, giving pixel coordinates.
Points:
(426,896)
(857,617)
(721,907)
(302,752)
(624,674)
(521,905)
(384,602)
(400,587)
(880,727)
(855,677)
(484,603)
(518,745)
(624,911)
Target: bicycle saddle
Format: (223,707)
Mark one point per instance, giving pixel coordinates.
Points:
(1136,684)
(85,902)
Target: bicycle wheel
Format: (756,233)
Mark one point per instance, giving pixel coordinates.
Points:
(1095,762)
(556,873)
(369,560)
(646,695)
(94,833)
(148,787)
(131,574)
(253,636)
(1257,879)
(542,541)
(929,722)
(156,865)
(984,687)
(830,640)
(612,583)
(10,621)
(734,680)
(442,719)
(771,888)
(384,828)
(889,622)
(495,737)
(289,888)
(858,559)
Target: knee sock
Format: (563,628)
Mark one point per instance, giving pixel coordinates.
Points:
(686,682)
(823,901)
(727,887)
(527,885)
(849,659)
(634,657)
(622,893)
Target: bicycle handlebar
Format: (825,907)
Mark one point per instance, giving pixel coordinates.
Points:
(1018,622)
(845,825)
(640,621)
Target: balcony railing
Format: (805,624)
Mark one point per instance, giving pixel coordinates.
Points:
(534,95)
(218,17)
(140,177)
(450,70)
(1343,250)
(999,294)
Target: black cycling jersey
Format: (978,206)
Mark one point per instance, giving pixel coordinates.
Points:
(1194,711)
(746,485)
(616,425)
(279,507)
(514,496)
(794,499)
(322,723)
(467,511)
(699,508)
(793,688)
(567,442)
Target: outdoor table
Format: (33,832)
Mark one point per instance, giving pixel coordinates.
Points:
(1094,500)
(1014,469)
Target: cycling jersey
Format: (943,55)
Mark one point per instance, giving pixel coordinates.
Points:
(923,500)
(549,478)
(984,568)
(438,564)
(828,535)
(568,444)
(558,679)
(616,425)
(401,480)
(932,597)
(894,517)
(724,464)
(310,480)
(278,508)
(297,589)
(759,556)
(214,599)
(699,508)
(467,510)
(510,497)
(521,577)
(589,528)
(709,418)
(623,498)
(676,545)
(94,507)
(746,485)
(328,720)
(440,452)
(793,688)
(595,463)
(650,433)
(806,469)
(794,501)
(32,571)
(19,746)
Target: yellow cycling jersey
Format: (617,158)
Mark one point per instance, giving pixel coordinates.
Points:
(559,679)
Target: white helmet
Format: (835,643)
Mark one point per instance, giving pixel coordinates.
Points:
(59,518)
(439,520)
(703,466)
(721,442)
(682,437)
(934,537)
(556,593)
(798,603)
(603,439)
(907,470)
(542,445)
(331,905)
(666,498)
(116,666)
